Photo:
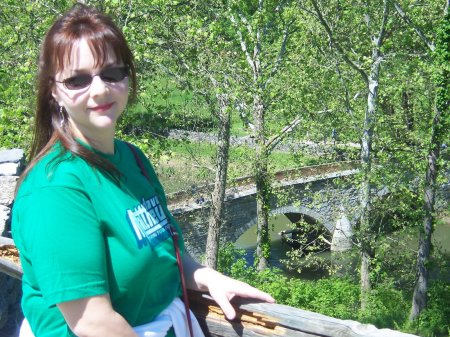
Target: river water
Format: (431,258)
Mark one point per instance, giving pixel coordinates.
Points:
(278,250)
(279,222)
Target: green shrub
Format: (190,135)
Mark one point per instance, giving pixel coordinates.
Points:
(333,297)
(387,307)
(435,319)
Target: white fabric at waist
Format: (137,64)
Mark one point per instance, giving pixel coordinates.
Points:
(174,315)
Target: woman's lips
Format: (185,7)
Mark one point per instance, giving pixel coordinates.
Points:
(103,107)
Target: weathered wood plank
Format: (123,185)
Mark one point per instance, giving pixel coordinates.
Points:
(10,268)
(7,266)
(6,241)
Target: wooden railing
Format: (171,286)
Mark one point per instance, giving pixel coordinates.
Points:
(253,318)
(267,319)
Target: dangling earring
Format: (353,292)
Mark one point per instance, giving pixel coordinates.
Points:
(62,120)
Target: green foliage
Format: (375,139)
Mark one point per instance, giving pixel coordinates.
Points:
(435,319)
(442,64)
(162,105)
(388,305)
(23,26)
(336,297)
(308,240)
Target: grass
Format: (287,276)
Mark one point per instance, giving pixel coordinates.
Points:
(190,164)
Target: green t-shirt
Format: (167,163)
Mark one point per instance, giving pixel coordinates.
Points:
(82,234)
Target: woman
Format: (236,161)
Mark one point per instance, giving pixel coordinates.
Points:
(93,226)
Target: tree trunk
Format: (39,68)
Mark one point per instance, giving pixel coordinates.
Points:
(262,187)
(439,130)
(419,301)
(259,91)
(218,196)
(366,139)
(366,161)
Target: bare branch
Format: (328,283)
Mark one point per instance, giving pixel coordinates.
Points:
(405,18)
(256,52)
(334,43)
(307,10)
(383,23)
(274,71)
(272,143)
(257,47)
(243,44)
(348,105)
(247,25)
(128,13)
(209,168)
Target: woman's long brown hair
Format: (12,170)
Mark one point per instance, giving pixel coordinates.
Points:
(101,33)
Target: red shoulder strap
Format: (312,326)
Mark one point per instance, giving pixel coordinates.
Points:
(175,238)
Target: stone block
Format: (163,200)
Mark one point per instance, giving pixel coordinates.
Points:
(11,156)
(11,162)
(7,186)
(10,169)
(5,213)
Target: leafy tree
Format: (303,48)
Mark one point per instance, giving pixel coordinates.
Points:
(372,55)
(439,133)
(257,27)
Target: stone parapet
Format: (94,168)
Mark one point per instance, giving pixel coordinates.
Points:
(12,163)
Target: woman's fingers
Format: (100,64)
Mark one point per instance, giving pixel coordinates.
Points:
(227,290)
(223,301)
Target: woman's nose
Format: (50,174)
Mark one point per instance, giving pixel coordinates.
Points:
(98,86)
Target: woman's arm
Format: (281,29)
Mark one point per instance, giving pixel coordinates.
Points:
(221,288)
(95,317)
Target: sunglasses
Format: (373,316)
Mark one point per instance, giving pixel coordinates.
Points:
(110,75)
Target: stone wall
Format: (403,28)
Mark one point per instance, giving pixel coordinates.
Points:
(11,165)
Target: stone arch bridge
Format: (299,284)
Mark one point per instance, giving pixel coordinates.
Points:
(323,194)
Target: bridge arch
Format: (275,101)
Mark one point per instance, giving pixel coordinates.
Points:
(289,209)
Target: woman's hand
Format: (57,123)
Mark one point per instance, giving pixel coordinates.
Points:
(221,288)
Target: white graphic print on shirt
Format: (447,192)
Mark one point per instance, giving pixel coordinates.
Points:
(149,222)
